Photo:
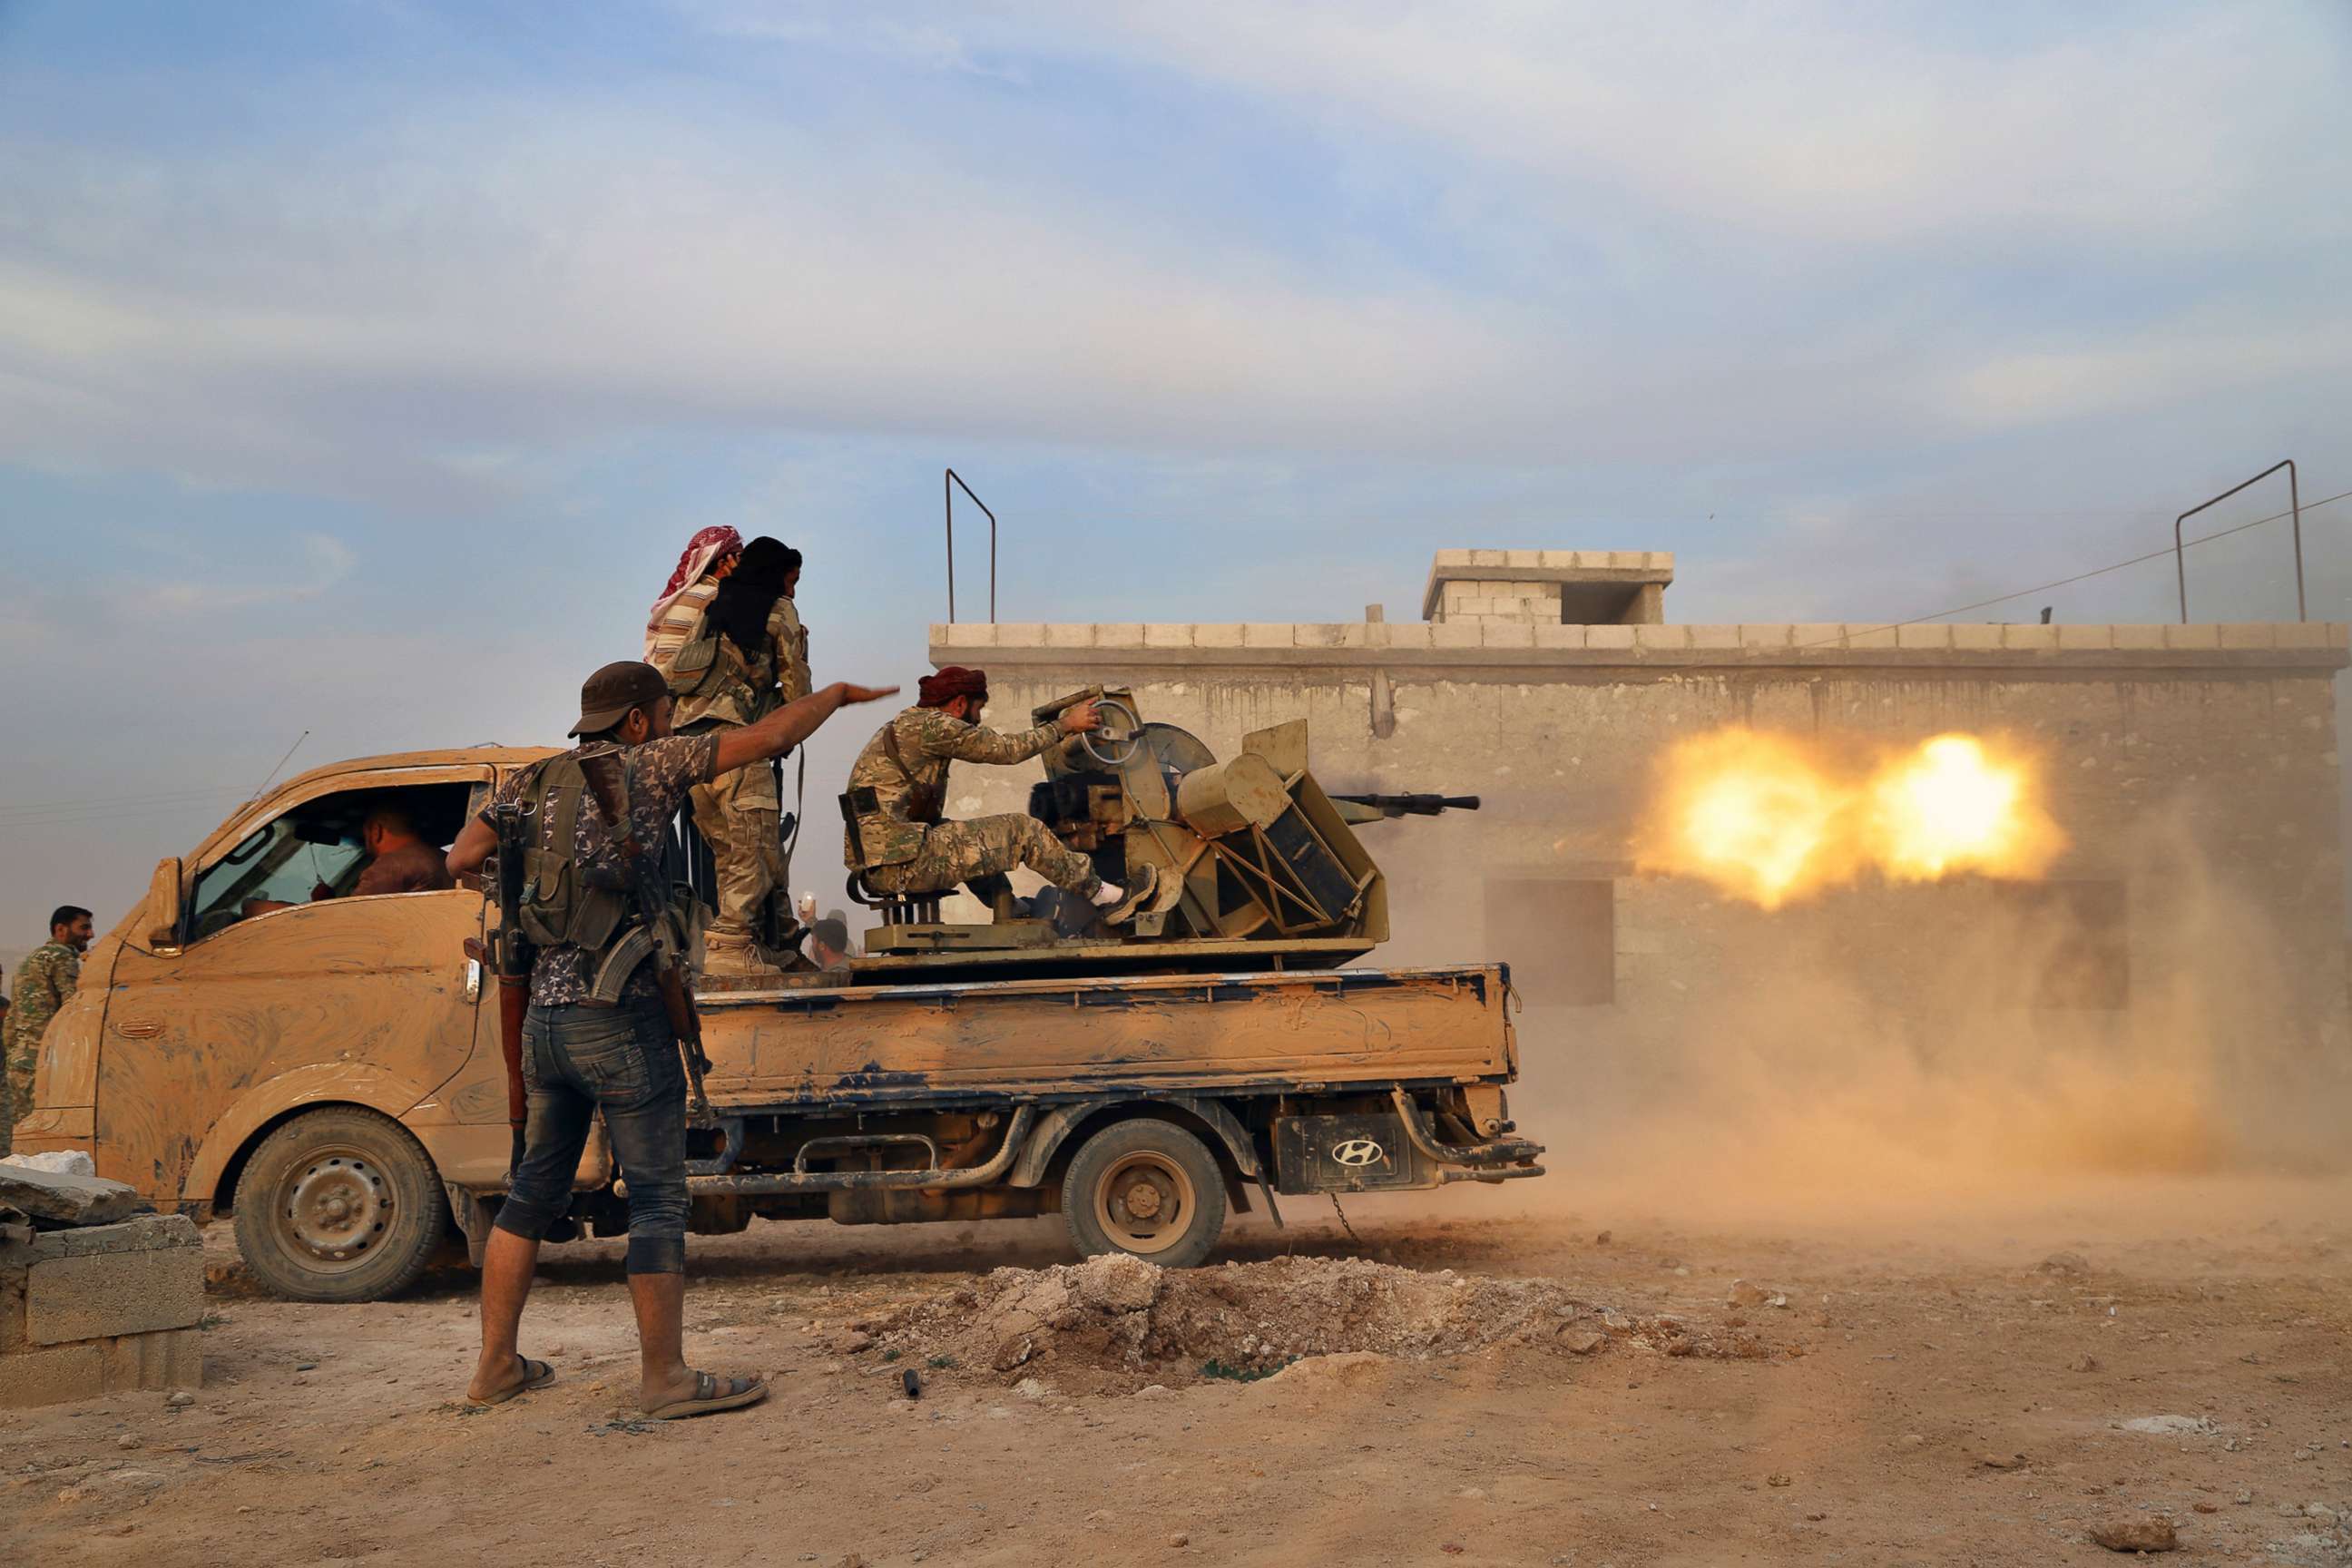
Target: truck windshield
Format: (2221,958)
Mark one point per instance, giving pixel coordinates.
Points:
(276,862)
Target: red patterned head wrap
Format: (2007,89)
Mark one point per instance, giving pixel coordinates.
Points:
(700,550)
(954,682)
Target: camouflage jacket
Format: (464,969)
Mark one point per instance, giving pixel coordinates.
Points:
(899,781)
(792,652)
(713,681)
(44,981)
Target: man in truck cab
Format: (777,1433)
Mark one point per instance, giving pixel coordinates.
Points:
(899,783)
(400,859)
(582,1059)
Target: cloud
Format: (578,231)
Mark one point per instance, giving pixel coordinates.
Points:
(1787,231)
(330,561)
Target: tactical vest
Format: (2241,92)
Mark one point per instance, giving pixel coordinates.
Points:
(560,906)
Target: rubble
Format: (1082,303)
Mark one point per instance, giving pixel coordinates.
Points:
(58,1198)
(57,1162)
(1130,1323)
(2128,1534)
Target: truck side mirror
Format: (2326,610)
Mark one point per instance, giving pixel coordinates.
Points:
(163,906)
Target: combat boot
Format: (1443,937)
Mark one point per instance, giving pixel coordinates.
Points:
(732,955)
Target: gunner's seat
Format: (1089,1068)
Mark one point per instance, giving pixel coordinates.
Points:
(896,908)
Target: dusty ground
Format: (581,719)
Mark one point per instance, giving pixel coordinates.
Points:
(1923,1397)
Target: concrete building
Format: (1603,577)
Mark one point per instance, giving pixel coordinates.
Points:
(2193,768)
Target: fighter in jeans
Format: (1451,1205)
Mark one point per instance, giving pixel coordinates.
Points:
(622,1061)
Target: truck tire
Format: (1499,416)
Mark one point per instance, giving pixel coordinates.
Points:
(339,1204)
(1148,1188)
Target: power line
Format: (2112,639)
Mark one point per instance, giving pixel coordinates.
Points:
(12,808)
(2079,576)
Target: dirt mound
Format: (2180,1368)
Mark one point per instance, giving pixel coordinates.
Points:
(1122,1316)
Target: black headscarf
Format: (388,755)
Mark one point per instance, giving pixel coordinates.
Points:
(739,612)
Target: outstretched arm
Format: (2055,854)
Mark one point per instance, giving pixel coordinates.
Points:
(977,744)
(788,726)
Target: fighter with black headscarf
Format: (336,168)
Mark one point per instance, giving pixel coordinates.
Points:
(742,658)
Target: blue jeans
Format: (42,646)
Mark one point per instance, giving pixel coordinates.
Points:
(622,1061)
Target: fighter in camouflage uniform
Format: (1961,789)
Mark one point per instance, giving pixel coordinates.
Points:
(898,784)
(44,981)
(733,651)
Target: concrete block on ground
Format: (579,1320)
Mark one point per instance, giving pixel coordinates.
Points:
(1930,634)
(1717,636)
(1017,634)
(51,1376)
(1817,635)
(1507,634)
(1164,635)
(1410,637)
(1975,637)
(2032,637)
(1661,636)
(2302,634)
(2202,635)
(156,1279)
(171,1358)
(1619,639)
(1453,634)
(2249,633)
(1217,633)
(2137,636)
(1556,635)
(1120,634)
(2076,635)
(1269,634)
(1767,634)
(1069,634)
(1872,636)
(1320,634)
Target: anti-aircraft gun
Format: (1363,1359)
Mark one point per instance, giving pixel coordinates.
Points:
(1258,868)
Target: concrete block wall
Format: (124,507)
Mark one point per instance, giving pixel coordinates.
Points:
(101,1309)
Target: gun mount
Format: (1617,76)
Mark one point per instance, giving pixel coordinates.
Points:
(1258,868)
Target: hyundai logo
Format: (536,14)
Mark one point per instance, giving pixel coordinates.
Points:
(1358,1152)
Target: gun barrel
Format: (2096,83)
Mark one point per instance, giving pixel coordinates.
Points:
(1413,804)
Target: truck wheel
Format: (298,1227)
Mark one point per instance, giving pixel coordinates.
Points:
(1144,1188)
(339,1204)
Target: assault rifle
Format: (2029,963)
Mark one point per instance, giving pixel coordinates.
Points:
(514,955)
(607,777)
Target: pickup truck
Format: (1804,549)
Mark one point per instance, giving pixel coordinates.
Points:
(325,1070)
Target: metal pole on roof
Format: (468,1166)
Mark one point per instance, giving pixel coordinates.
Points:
(948,488)
(2294,503)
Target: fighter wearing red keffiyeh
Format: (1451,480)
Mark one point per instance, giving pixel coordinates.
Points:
(899,783)
(709,553)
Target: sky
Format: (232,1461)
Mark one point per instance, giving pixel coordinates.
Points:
(364,364)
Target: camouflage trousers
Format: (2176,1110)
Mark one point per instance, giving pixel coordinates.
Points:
(956,852)
(738,816)
(15,1096)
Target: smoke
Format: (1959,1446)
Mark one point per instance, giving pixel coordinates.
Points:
(1772,817)
(1948,1047)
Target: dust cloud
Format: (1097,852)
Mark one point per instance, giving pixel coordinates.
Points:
(1886,1053)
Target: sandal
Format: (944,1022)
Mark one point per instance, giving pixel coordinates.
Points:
(535,1374)
(712,1393)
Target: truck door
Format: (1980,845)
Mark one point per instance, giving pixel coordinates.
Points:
(280,968)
